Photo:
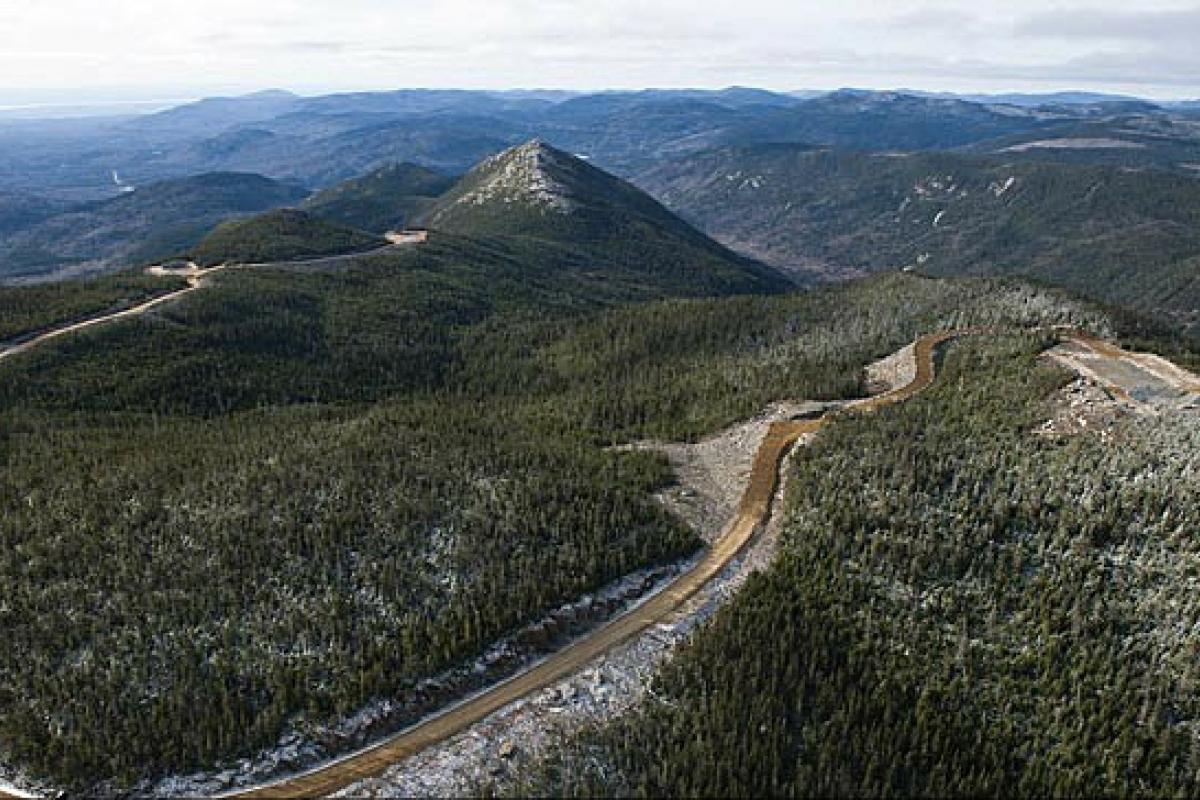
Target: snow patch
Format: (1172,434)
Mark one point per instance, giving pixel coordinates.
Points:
(522,175)
(1075,144)
(16,791)
(999,189)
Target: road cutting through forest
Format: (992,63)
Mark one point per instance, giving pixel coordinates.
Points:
(752,512)
(193,274)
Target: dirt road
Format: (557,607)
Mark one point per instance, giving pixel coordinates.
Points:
(195,275)
(195,281)
(1144,382)
(752,511)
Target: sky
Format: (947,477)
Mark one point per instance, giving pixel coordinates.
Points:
(68,50)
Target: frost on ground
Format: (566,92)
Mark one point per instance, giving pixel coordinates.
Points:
(522,174)
(15,784)
(498,751)
(307,744)
(898,369)
(1083,407)
(711,474)
(1099,143)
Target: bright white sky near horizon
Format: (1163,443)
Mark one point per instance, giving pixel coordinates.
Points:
(83,49)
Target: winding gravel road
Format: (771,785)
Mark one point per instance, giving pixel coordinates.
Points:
(752,512)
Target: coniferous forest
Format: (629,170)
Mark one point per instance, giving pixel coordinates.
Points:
(961,607)
(299,491)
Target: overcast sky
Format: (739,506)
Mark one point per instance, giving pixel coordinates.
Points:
(123,48)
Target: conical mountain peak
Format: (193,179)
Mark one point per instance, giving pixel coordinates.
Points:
(532,174)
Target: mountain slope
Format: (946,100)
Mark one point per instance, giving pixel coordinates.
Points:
(382,200)
(884,121)
(584,218)
(282,235)
(152,222)
(354,480)
(19,210)
(1130,238)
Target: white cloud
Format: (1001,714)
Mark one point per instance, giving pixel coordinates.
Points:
(321,44)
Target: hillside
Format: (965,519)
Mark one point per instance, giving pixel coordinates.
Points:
(358,479)
(283,235)
(319,141)
(311,501)
(152,222)
(20,210)
(884,121)
(385,199)
(961,606)
(1129,238)
(584,219)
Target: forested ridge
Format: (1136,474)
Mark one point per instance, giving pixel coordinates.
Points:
(299,491)
(1124,236)
(960,607)
(282,235)
(32,308)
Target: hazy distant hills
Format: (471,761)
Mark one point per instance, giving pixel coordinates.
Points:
(154,221)
(319,141)
(1128,237)
(883,121)
(20,210)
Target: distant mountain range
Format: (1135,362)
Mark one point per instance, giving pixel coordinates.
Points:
(787,179)
(1127,237)
(319,141)
(152,222)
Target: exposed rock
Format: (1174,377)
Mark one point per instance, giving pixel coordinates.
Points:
(521,174)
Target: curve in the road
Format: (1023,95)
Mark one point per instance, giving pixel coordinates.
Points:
(752,511)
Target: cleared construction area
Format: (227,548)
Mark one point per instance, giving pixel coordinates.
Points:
(1142,381)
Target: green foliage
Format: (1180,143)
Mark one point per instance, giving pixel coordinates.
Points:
(960,608)
(283,235)
(1130,238)
(27,309)
(538,197)
(153,222)
(301,490)
(385,199)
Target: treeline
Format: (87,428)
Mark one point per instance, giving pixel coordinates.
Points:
(960,608)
